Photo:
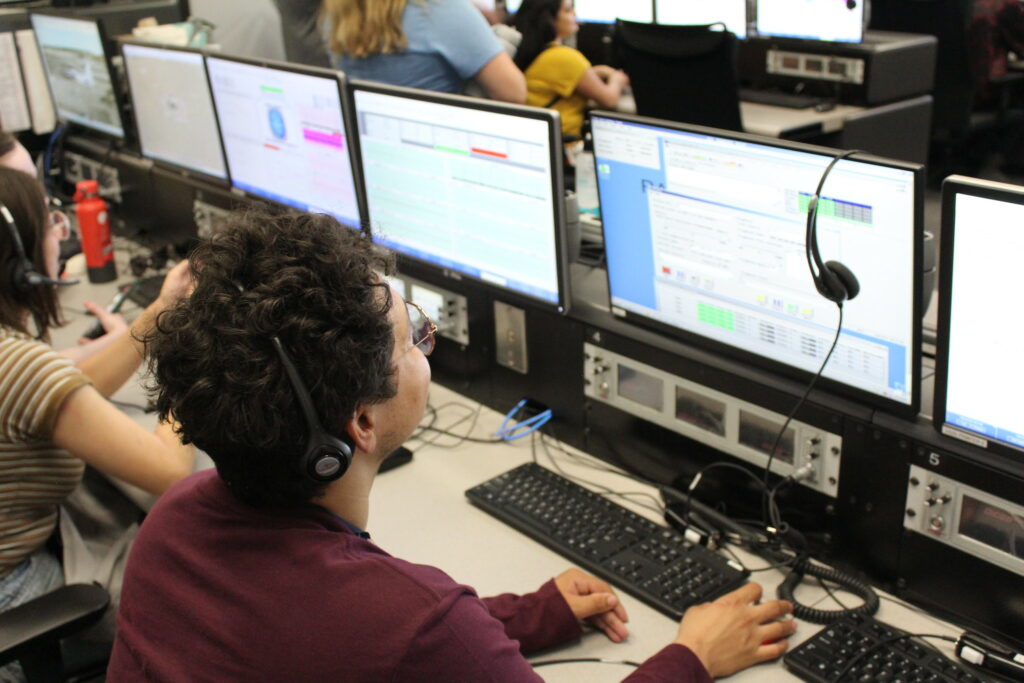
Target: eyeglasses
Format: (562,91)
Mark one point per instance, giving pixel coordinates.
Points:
(421,329)
(59,222)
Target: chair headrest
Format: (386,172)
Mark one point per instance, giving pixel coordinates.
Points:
(672,41)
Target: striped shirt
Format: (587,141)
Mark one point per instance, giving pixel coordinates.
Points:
(35,475)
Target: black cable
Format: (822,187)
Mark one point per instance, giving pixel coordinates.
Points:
(584,660)
(603,490)
(421,428)
(460,437)
(474,414)
(695,481)
(793,412)
(884,641)
(805,567)
(816,267)
(831,593)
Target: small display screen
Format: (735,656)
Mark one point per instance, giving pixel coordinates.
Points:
(700,411)
(640,388)
(759,433)
(993,526)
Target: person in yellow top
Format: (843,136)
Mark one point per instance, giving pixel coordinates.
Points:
(557,76)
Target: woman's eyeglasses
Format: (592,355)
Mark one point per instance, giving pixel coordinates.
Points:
(422,329)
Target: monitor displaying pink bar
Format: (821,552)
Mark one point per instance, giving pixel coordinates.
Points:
(332,139)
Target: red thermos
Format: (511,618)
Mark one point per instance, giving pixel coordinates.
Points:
(94,225)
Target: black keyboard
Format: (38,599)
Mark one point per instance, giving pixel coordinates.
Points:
(147,290)
(823,657)
(778,98)
(650,562)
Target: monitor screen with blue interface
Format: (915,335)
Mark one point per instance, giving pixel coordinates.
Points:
(831,20)
(704,236)
(78,72)
(173,108)
(284,135)
(469,188)
(607,11)
(979,371)
(732,13)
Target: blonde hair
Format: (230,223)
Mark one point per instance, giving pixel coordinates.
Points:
(362,28)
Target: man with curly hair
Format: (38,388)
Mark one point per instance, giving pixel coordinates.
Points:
(258,571)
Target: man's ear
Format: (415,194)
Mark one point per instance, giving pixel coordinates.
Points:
(362,429)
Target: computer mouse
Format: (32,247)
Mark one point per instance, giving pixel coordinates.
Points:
(824,106)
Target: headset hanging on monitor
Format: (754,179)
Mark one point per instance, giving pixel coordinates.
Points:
(832,279)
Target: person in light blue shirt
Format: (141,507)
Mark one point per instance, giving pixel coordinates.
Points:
(428,44)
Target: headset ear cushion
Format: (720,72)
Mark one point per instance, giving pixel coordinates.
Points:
(19,277)
(327,458)
(846,278)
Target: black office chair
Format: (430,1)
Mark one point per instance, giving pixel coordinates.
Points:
(31,633)
(681,73)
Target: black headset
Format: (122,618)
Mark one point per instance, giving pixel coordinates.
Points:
(832,279)
(324,457)
(23,274)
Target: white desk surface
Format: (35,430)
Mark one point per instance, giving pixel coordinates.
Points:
(776,122)
(419,512)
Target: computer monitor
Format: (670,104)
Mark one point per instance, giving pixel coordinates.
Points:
(829,20)
(978,372)
(607,11)
(466,186)
(285,136)
(732,13)
(173,107)
(78,71)
(704,236)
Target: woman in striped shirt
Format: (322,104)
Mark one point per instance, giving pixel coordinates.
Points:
(54,417)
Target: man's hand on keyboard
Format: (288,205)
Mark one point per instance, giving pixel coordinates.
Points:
(734,632)
(594,601)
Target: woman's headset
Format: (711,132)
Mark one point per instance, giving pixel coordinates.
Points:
(23,275)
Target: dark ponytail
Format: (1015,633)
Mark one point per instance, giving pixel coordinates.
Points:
(535,20)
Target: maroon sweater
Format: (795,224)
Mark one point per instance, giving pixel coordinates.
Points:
(218,591)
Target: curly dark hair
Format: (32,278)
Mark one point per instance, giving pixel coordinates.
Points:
(316,285)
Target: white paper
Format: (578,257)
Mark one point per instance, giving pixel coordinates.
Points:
(39,102)
(14,114)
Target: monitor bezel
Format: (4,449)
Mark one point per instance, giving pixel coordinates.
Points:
(164,163)
(758,33)
(951,188)
(835,387)
(341,81)
(553,121)
(119,96)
